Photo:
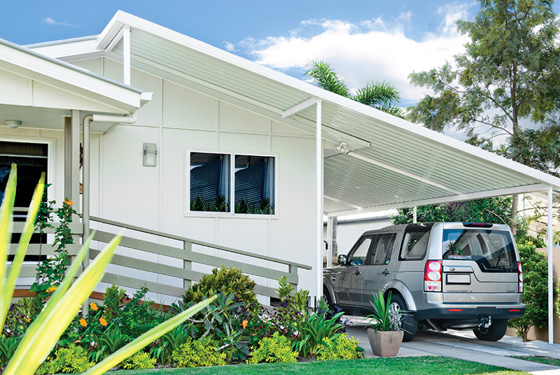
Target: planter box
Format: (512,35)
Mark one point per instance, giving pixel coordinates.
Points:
(385,343)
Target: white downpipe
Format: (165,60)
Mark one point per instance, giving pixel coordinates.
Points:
(88,119)
(319,195)
(415,214)
(126,55)
(550,278)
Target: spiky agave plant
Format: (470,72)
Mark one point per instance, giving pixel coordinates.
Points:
(63,305)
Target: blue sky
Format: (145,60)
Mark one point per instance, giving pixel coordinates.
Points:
(362,40)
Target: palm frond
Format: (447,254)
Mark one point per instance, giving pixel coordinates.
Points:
(326,78)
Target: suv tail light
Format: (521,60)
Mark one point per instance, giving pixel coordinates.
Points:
(432,276)
(520,277)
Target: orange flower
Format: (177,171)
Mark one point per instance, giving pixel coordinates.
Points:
(103,322)
(245,324)
(83,322)
(93,306)
(27,320)
(69,203)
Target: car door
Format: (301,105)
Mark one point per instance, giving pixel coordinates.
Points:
(378,268)
(348,282)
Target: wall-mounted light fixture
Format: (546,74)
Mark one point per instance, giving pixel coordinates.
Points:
(150,154)
(13,123)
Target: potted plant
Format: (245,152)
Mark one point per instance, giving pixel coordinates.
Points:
(385,335)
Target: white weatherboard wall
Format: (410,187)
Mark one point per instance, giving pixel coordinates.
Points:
(180,120)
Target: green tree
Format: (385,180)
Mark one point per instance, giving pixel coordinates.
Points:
(535,290)
(489,210)
(380,95)
(509,71)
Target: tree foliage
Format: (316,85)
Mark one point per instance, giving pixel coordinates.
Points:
(535,290)
(511,67)
(377,94)
(489,210)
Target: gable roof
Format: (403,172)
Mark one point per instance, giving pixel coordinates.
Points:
(392,163)
(84,89)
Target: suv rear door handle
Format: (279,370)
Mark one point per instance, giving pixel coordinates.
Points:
(357,272)
(386,272)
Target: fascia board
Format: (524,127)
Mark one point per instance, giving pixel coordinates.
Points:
(55,69)
(85,46)
(444,199)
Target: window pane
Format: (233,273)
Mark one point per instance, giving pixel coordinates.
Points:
(383,249)
(254,184)
(210,182)
(358,255)
(415,245)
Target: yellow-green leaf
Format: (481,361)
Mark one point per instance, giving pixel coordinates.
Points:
(147,338)
(45,331)
(8,287)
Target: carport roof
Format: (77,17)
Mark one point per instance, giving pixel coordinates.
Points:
(392,163)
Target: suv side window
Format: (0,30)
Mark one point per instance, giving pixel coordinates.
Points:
(381,251)
(359,253)
(415,245)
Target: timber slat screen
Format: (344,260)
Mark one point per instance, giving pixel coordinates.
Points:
(166,263)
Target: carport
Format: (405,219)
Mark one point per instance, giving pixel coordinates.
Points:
(366,160)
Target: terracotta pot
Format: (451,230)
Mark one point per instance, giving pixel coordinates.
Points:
(385,343)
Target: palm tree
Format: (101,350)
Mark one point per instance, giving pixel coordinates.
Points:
(380,95)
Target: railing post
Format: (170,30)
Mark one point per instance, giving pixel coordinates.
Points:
(293,271)
(187,264)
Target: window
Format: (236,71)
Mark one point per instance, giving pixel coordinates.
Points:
(254,184)
(359,252)
(415,244)
(211,183)
(382,251)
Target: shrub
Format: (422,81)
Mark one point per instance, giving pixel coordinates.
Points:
(535,290)
(274,349)
(8,346)
(163,347)
(67,360)
(313,331)
(139,361)
(227,281)
(195,353)
(340,347)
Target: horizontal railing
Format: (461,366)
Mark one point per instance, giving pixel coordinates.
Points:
(184,253)
(179,259)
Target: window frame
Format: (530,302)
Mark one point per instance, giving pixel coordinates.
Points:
(231,212)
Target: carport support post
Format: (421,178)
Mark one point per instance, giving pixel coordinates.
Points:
(319,203)
(415,214)
(329,241)
(550,278)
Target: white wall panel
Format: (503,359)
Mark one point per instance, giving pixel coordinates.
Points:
(244,143)
(20,89)
(129,190)
(235,118)
(184,108)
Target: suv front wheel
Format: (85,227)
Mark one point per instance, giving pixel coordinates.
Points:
(495,332)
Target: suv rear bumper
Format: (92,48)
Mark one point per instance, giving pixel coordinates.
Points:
(453,312)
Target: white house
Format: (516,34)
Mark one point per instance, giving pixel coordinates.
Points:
(199,151)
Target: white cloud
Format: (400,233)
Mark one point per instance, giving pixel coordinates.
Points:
(51,21)
(371,49)
(229,47)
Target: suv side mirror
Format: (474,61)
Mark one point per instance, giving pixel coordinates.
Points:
(342,260)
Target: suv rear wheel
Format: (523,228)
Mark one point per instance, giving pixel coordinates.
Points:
(409,324)
(495,332)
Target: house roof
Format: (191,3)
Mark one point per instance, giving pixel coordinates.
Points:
(392,163)
(44,86)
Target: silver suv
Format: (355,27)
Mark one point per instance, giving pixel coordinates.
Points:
(441,275)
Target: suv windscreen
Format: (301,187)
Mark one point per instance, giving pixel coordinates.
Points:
(492,249)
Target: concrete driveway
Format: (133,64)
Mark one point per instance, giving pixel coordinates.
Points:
(464,345)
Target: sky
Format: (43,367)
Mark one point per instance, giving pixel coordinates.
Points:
(362,40)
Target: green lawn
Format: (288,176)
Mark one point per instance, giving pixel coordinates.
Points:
(415,365)
(545,360)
